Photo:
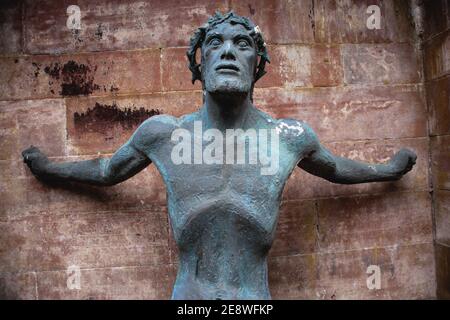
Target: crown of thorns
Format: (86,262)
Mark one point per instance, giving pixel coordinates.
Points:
(232,18)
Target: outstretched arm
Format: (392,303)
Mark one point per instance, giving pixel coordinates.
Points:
(321,162)
(125,163)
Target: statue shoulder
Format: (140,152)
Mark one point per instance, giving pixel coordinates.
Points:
(154,129)
(158,124)
(292,128)
(296,132)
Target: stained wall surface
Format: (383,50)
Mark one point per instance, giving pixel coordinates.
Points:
(79,94)
(436,48)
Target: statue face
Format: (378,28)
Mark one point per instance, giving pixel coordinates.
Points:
(229,59)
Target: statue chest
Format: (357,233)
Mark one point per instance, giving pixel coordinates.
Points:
(227,198)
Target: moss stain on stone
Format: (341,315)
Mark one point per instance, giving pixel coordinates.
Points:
(77,79)
(102,117)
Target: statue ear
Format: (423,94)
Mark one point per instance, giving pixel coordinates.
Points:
(195,43)
(255,72)
(200,66)
(197,72)
(263,58)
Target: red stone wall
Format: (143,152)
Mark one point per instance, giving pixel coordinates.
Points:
(363,91)
(437,78)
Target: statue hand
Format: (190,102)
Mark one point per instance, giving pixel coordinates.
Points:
(35,160)
(402,162)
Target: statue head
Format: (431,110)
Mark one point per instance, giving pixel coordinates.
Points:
(233,54)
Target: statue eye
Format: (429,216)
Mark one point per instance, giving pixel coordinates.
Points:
(242,43)
(215,42)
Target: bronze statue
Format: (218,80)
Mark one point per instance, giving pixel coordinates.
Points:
(223,214)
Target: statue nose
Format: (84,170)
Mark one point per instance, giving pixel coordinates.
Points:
(228,51)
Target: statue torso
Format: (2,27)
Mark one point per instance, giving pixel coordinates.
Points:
(223,216)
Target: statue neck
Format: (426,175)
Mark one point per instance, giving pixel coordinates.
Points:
(226,111)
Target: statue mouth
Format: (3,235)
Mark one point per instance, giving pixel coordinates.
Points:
(227,67)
